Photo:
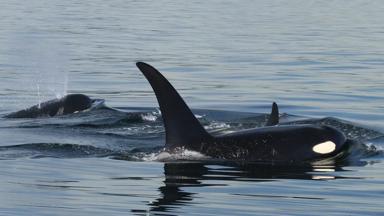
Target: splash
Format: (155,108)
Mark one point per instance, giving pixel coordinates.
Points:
(42,63)
(151,117)
(38,96)
(217,125)
(179,154)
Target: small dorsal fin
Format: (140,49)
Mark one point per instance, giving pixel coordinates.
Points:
(181,126)
(274,116)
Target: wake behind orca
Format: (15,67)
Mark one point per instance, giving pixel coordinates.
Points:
(68,104)
(295,143)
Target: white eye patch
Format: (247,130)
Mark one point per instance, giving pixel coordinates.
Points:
(324,147)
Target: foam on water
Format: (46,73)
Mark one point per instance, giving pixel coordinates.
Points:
(179,155)
(152,116)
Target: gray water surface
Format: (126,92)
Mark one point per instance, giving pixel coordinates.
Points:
(229,60)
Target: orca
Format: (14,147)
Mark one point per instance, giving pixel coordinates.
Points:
(290,143)
(68,104)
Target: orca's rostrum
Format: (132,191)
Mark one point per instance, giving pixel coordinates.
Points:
(294,143)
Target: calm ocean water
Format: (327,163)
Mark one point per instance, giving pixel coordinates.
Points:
(321,61)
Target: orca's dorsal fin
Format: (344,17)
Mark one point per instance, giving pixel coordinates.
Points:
(181,126)
(274,116)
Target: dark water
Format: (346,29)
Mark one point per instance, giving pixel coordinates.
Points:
(322,61)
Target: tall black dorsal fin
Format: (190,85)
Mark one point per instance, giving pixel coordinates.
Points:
(274,116)
(181,126)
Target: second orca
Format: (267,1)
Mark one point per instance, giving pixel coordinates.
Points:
(273,143)
(68,104)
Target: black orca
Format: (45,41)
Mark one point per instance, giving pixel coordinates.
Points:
(66,105)
(295,143)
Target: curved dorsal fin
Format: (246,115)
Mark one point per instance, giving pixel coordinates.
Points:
(274,116)
(181,126)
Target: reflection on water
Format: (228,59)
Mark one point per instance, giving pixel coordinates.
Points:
(181,175)
(101,185)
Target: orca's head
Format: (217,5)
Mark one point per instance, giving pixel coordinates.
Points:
(76,102)
(332,141)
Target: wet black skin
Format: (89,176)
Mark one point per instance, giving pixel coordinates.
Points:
(282,143)
(274,143)
(66,105)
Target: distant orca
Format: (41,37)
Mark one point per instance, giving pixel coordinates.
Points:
(274,116)
(297,143)
(66,105)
